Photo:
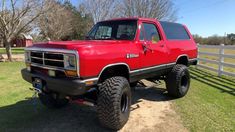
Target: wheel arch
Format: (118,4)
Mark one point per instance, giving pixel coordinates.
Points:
(115,69)
(183,59)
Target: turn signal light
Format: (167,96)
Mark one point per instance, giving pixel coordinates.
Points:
(71,73)
(28,66)
(89,83)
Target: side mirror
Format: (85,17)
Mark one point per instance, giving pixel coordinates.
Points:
(146,47)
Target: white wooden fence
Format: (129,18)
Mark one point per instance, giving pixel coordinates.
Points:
(220,62)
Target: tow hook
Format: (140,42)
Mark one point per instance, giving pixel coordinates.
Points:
(36,90)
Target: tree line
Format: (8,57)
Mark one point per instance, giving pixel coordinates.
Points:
(229,39)
(61,20)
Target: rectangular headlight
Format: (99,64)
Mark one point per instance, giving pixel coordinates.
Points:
(27,56)
(70,62)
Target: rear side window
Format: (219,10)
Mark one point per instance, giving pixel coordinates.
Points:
(174,31)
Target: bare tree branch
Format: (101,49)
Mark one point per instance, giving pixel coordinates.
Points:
(19,18)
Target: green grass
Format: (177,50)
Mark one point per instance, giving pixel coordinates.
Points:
(210,103)
(19,112)
(14,51)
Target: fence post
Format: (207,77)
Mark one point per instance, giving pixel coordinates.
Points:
(221,59)
(198,62)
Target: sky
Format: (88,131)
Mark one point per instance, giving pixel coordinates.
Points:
(204,17)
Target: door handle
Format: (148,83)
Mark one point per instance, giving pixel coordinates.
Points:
(161,45)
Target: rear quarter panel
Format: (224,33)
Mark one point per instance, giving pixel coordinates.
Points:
(182,47)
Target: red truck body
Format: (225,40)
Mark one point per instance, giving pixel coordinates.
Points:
(115,56)
(95,55)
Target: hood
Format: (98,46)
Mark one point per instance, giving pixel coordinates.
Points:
(77,44)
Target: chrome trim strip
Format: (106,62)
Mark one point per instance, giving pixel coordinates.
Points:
(54,60)
(181,56)
(193,59)
(54,50)
(47,67)
(50,50)
(90,79)
(36,58)
(114,64)
(148,68)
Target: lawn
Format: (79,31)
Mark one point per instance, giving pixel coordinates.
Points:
(14,51)
(209,105)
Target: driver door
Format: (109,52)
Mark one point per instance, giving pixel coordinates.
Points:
(154,48)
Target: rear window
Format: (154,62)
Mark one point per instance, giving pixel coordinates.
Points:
(174,31)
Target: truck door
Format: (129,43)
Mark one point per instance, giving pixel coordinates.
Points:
(154,47)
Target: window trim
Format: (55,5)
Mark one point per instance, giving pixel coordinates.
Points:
(156,26)
(136,31)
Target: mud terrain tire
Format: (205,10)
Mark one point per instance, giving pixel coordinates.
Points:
(178,81)
(114,101)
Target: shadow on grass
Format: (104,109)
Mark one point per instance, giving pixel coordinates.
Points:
(220,79)
(223,84)
(25,116)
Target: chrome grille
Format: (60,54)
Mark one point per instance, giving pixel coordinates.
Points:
(47,58)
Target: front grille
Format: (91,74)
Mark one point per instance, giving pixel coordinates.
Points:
(47,59)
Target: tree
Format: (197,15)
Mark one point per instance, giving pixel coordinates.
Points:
(231,38)
(99,9)
(198,39)
(106,9)
(17,16)
(159,9)
(81,24)
(55,24)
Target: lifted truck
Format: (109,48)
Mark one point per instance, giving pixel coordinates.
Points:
(116,54)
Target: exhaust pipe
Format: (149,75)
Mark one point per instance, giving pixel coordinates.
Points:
(83,102)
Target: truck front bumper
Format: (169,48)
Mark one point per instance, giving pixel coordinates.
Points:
(64,86)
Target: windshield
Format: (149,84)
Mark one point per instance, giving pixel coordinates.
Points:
(113,30)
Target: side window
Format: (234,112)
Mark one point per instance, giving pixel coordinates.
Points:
(151,33)
(126,32)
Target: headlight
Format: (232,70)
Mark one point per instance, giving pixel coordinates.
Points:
(70,62)
(27,56)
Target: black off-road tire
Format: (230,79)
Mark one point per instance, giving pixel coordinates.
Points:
(178,81)
(51,101)
(114,101)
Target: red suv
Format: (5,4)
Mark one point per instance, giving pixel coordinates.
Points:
(116,54)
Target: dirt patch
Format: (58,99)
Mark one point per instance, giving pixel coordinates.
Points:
(152,111)
(15,57)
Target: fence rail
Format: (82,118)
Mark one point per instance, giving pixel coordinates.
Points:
(220,62)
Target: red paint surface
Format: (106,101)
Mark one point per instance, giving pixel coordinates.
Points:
(94,55)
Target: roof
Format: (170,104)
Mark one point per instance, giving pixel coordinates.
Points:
(26,36)
(132,18)
(140,18)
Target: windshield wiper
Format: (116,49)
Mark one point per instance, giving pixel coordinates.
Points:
(89,38)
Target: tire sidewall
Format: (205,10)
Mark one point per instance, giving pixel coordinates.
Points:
(184,90)
(125,90)
(109,102)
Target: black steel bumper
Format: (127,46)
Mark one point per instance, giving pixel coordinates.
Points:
(193,62)
(64,86)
